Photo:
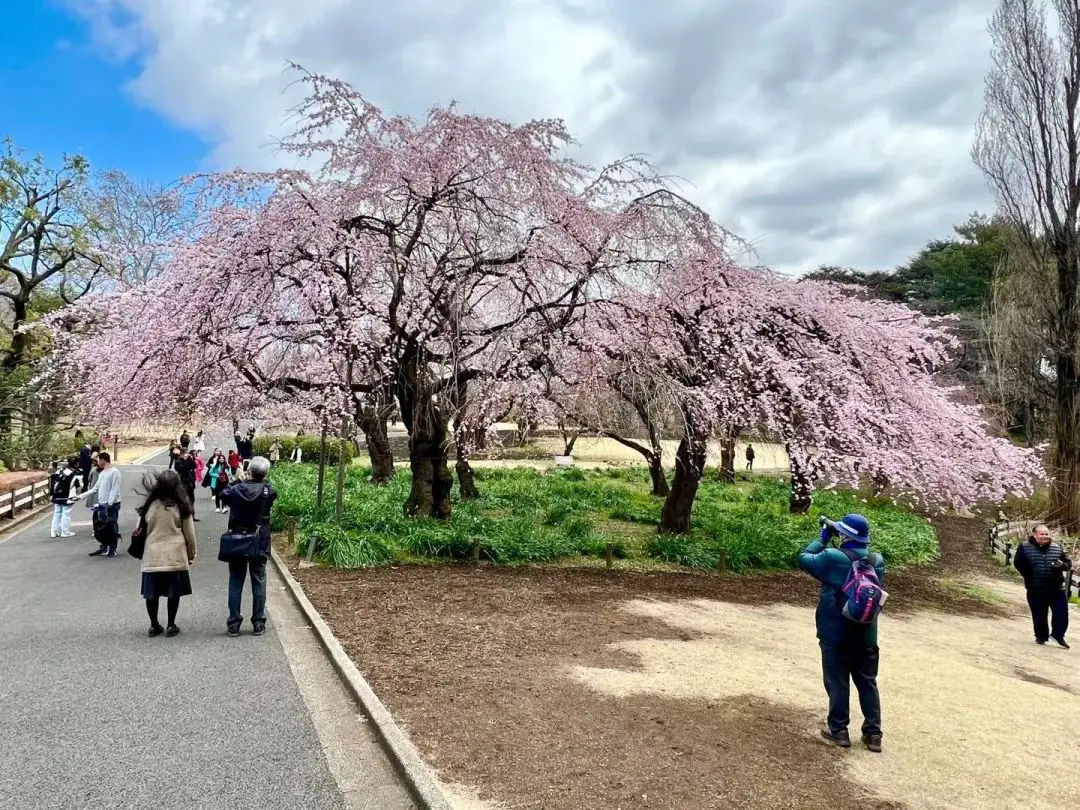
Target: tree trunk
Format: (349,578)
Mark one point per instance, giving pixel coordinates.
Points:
(801,487)
(660,486)
(466,476)
(428,431)
(380,454)
(727,460)
(689,467)
(1065,452)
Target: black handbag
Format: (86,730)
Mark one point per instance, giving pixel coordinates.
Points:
(239,545)
(138,540)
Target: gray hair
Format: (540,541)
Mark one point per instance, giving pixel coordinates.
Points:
(259,467)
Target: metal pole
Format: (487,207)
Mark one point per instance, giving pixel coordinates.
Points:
(322,466)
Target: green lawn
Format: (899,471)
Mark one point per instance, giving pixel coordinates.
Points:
(530,516)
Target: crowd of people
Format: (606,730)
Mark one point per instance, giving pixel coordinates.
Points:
(165,537)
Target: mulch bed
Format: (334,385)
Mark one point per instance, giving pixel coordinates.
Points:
(472,660)
(10,481)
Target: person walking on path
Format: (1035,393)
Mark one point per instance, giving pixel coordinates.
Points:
(198,444)
(750,457)
(234,461)
(1044,566)
(184,466)
(86,454)
(170,548)
(849,649)
(217,478)
(249,505)
(108,505)
(63,490)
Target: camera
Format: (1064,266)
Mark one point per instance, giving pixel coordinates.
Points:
(827,526)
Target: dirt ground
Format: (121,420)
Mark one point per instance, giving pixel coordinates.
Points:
(581,688)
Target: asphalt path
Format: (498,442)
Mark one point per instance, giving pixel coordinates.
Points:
(93,713)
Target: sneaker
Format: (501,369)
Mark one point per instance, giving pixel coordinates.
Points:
(1062,642)
(53,536)
(1040,641)
(258,629)
(97,553)
(839,738)
(68,534)
(233,632)
(172,630)
(156,630)
(111,552)
(872,742)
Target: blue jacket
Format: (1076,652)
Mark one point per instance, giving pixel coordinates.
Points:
(830,566)
(249,505)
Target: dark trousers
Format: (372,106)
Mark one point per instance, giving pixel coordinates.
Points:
(842,663)
(238,571)
(112,512)
(1058,605)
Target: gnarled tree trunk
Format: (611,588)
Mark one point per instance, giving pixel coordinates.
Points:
(372,417)
(727,458)
(689,468)
(802,489)
(428,439)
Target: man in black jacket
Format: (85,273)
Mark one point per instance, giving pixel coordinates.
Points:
(184,465)
(249,511)
(1043,565)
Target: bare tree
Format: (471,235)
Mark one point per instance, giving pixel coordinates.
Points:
(1028,146)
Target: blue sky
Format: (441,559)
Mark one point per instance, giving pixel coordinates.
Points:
(60,93)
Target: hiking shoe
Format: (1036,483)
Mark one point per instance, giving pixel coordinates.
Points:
(156,630)
(172,630)
(1040,641)
(258,629)
(838,738)
(1062,642)
(68,534)
(97,553)
(872,742)
(111,552)
(233,632)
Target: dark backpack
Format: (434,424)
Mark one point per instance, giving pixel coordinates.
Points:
(60,484)
(863,595)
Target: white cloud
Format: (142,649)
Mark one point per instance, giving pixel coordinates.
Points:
(833,133)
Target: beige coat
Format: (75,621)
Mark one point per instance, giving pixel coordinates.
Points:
(170,541)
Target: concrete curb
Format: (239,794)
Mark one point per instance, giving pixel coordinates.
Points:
(19,523)
(140,461)
(421,782)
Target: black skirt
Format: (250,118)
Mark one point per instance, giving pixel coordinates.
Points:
(168,584)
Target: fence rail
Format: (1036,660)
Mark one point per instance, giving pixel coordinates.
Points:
(1005,538)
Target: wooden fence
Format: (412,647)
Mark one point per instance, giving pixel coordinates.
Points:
(1005,538)
(11,503)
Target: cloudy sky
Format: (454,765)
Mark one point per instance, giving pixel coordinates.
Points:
(824,131)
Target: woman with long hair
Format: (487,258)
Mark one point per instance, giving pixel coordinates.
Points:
(167,517)
(218,474)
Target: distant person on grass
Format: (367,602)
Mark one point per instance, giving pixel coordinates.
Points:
(107,508)
(750,457)
(1044,566)
(849,646)
(170,548)
(63,490)
(249,505)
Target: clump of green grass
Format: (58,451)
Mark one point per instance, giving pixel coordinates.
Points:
(528,516)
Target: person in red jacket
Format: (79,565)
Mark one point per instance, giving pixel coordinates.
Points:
(234,462)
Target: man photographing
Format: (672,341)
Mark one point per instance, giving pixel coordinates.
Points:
(851,596)
(1044,565)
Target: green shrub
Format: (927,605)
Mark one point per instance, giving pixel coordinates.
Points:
(309,446)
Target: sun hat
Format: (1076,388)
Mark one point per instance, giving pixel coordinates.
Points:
(853,527)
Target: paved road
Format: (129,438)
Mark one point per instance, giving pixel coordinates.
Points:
(95,714)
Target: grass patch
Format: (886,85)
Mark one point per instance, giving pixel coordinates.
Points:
(971,591)
(531,516)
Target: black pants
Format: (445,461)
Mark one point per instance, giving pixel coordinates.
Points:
(842,663)
(238,572)
(220,488)
(1058,605)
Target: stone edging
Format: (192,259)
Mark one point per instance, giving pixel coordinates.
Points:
(419,779)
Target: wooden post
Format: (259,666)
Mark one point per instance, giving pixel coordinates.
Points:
(291,528)
(609,555)
(474,552)
(12,511)
(322,467)
(721,561)
(339,506)
(33,493)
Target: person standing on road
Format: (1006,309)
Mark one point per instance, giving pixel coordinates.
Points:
(1044,566)
(85,463)
(63,490)
(750,457)
(198,444)
(170,548)
(108,506)
(218,479)
(249,505)
(275,452)
(184,466)
(849,649)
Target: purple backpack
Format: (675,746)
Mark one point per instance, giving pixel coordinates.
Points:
(864,596)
